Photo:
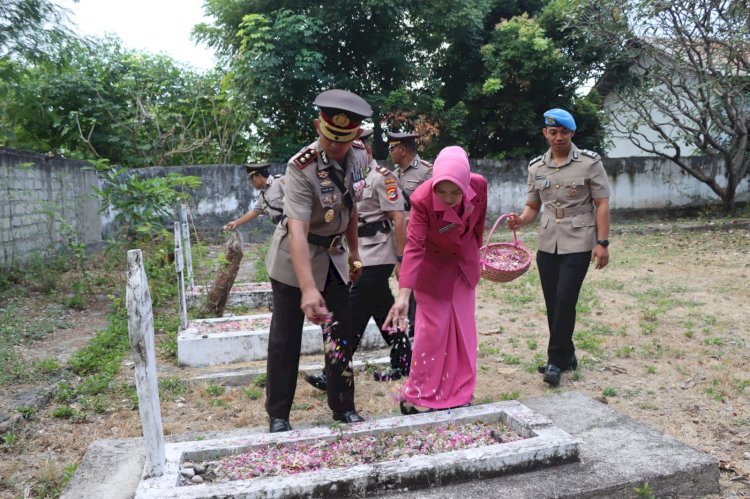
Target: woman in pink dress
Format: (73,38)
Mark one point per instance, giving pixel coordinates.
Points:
(441,268)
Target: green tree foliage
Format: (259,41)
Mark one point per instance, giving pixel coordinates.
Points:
(100,100)
(29,27)
(284,53)
(476,72)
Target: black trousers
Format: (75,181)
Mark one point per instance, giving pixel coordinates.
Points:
(371,297)
(412,314)
(562,277)
(285,341)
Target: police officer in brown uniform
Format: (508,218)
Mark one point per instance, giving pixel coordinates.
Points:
(411,171)
(382,237)
(307,262)
(271,199)
(572,186)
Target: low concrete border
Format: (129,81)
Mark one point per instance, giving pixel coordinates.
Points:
(241,377)
(197,349)
(238,297)
(544,445)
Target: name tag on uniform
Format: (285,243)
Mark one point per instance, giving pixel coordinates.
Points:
(445,229)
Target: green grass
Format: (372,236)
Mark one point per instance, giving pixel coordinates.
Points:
(261,380)
(609,392)
(252,393)
(514,395)
(173,386)
(214,389)
(487,350)
(589,340)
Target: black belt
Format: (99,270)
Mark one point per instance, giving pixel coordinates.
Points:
(277,219)
(325,241)
(372,228)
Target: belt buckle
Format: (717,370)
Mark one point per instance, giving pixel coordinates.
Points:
(334,241)
(559,212)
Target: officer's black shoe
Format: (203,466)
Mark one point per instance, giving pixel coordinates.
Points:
(348,417)
(391,374)
(572,366)
(552,375)
(277,425)
(319,381)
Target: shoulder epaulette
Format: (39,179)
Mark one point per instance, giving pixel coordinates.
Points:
(358,144)
(383,171)
(305,158)
(426,163)
(536,160)
(590,154)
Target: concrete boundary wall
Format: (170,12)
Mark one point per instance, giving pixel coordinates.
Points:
(41,198)
(37,191)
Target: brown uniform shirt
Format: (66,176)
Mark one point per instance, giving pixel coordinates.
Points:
(381,195)
(271,199)
(414,174)
(566,193)
(311,196)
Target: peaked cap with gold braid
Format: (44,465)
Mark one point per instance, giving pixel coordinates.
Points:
(341,113)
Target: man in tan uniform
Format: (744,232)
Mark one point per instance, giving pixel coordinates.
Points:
(271,199)
(307,262)
(411,171)
(572,186)
(382,237)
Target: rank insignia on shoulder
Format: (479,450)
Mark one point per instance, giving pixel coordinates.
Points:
(536,160)
(304,158)
(383,171)
(357,144)
(425,163)
(590,154)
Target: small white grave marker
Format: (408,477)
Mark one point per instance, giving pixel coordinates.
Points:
(141,333)
(186,243)
(179,267)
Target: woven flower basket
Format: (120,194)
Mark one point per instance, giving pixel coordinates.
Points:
(503,262)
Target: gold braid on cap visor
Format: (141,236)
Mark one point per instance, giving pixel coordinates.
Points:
(335,133)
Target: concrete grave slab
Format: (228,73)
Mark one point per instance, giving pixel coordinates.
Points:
(197,348)
(544,445)
(616,454)
(249,294)
(241,377)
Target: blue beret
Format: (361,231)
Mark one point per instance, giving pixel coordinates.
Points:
(560,117)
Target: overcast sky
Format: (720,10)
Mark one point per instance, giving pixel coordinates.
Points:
(157,26)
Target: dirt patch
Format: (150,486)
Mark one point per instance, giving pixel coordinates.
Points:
(663,335)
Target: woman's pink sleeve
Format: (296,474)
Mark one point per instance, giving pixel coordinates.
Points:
(415,244)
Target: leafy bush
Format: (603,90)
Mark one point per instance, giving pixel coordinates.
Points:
(140,204)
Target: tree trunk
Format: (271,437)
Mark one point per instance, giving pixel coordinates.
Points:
(219,292)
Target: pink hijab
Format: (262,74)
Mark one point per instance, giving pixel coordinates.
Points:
(452,164)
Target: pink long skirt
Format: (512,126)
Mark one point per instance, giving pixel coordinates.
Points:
(444,355)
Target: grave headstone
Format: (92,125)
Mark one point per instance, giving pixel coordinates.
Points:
(186,247)
(179,266)
(141,334)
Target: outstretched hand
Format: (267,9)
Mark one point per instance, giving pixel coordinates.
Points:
(314,306)
(397,318)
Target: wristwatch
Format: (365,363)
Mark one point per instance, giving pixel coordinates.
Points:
(603,242)
(357,264)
